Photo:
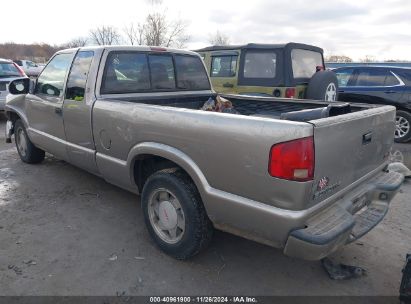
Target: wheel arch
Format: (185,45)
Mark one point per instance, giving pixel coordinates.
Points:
(165,156)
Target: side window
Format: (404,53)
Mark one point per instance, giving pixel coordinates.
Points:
(390,80)
(51,80)
(304,62)
(260,64)
(125,72)
(76,84)
(162,72)
(405,76)
(370,78)
(344,76)
(191,74)
(18,62)
(223,66)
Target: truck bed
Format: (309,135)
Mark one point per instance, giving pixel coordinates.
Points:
(277,108)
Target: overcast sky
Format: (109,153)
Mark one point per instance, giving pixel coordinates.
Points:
(355,28)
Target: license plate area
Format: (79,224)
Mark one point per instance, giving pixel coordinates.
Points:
(360,203)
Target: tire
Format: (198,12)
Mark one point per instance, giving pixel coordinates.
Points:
(323,85)
(169,189)
(402,126)
(27,151)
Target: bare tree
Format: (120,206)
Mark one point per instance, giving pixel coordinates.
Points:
(135,34)
(368,58)
(158,29)
(105,35)
(76,42)
(219,39)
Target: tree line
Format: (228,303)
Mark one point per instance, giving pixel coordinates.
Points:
(157,29)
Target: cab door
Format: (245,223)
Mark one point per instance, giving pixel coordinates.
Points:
(77,110)
(223,71)
(44,108)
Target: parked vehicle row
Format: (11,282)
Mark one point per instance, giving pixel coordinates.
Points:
(8,72)
(29,67)
(307,177)
(380,85)
(281,70)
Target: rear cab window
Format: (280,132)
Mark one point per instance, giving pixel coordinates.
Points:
(136,71)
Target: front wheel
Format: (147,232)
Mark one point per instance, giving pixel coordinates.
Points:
(174,214)
(402,126)
(27,151)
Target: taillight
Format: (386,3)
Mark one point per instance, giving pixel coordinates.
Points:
(290,93)
(293,160)
(22,74)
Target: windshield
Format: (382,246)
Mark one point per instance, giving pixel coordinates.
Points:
(8,70)
(305,62)
(31,64)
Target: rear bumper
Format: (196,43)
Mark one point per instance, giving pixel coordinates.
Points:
(346,220)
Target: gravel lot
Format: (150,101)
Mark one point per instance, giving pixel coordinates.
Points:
(66,232)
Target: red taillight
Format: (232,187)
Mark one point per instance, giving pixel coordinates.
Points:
(293,160)
(22,74)
(290,93)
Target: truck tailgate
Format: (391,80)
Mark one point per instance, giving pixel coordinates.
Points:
(349,146)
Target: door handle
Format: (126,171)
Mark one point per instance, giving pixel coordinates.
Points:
(389,92)
(58,111)
(228,85)
(366,138)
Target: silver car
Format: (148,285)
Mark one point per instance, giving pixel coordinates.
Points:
(8,72)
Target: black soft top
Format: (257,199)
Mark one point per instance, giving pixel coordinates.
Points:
(290,45)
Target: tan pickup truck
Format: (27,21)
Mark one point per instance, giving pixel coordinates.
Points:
(305,177)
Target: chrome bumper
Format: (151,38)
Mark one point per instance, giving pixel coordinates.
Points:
(339,225)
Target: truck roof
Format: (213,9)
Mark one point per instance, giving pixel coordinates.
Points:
(133,48)
(261,46)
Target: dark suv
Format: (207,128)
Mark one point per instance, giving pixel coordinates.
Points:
(379,85)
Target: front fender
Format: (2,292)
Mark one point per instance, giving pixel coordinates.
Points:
(16,104)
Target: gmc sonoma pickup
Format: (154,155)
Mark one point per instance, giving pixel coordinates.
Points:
(305,176)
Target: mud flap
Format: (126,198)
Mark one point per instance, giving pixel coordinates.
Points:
(9,131)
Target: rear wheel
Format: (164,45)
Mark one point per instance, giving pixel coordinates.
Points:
(174,214)
(323,85)
(402,126)
(27,151)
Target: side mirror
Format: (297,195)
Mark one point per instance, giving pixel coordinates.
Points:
(19,86)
